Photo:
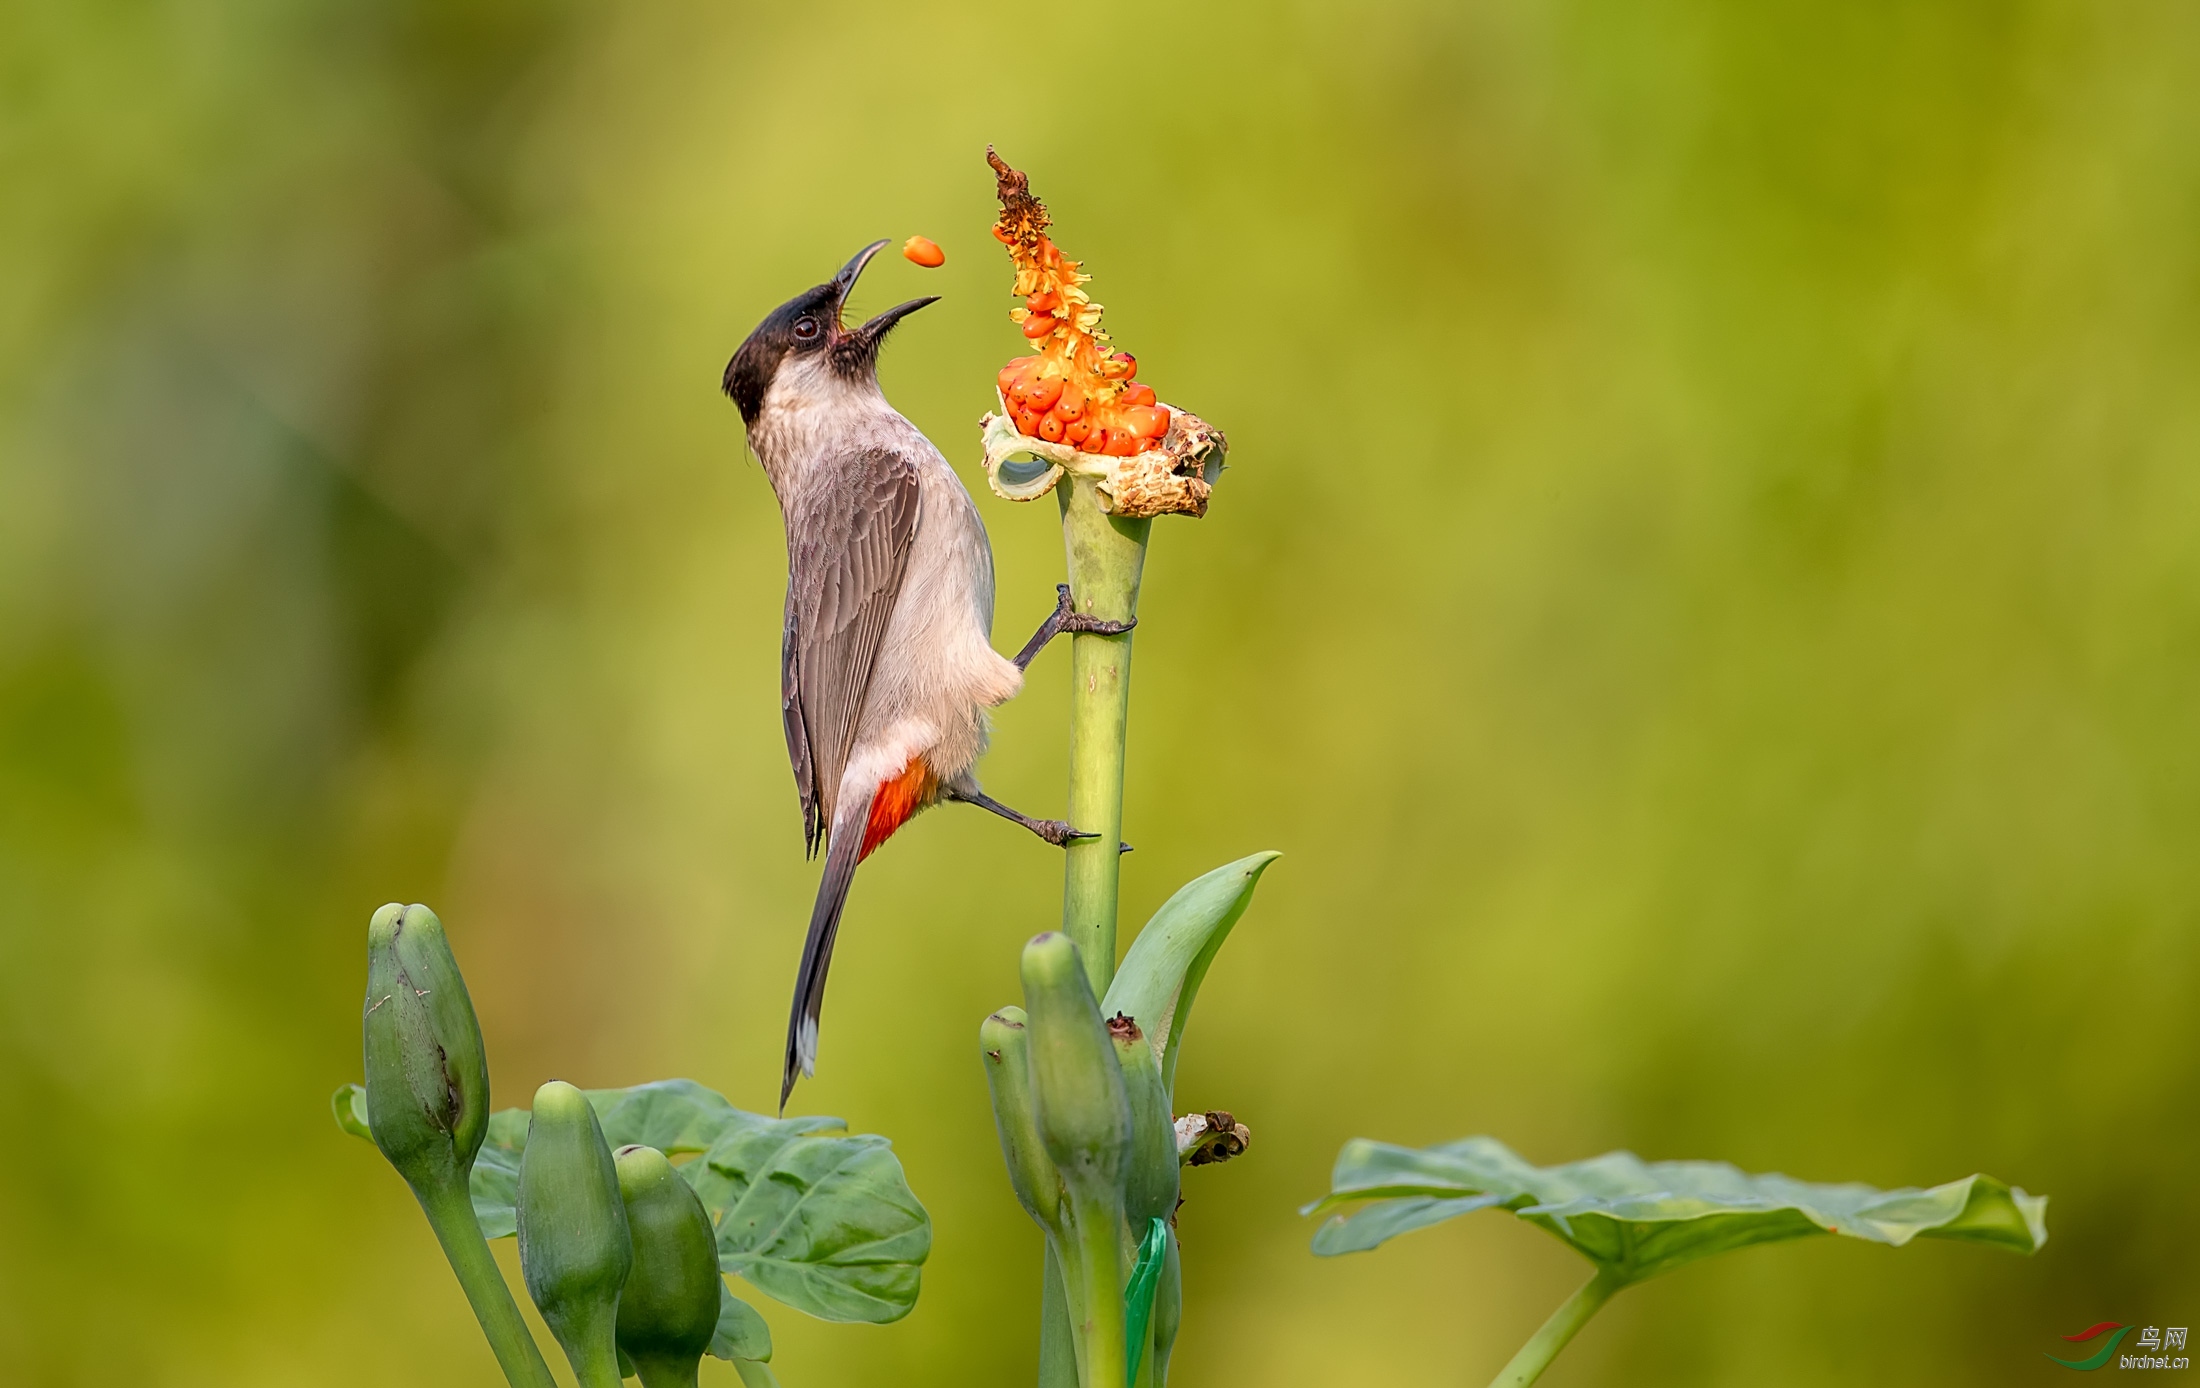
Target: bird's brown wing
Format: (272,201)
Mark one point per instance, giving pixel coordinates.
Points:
(847,550)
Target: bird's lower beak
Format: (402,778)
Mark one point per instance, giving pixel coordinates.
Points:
(877,327)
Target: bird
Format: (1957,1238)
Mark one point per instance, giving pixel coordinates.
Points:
(887,664)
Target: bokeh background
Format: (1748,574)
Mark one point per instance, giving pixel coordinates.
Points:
(1708,599)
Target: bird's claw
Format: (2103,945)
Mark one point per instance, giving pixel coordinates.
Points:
(1058,832)
(1061,835)
(1069,619)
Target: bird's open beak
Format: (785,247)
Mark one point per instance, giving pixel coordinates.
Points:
(871,332)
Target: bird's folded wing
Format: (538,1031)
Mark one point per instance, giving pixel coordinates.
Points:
(847,550)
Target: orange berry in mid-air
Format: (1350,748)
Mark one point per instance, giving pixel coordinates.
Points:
(923,250)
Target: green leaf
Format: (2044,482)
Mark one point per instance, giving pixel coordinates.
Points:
(1161,973)
(741,1333)
(350,1104)
(1637,1218)
(1138,1293)
(826,1224)
(821,1221)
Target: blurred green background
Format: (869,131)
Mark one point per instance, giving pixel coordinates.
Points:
(1708,599)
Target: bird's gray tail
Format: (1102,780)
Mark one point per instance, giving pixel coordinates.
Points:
(841,857)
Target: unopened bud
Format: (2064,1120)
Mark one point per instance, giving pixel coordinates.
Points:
(1004,1043)
(1150,1181)
(574,1249)
(668,1310)
(427,1075)
(1084,1115)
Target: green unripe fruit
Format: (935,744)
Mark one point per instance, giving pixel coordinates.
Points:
(574,1248)
(427,1074)
(1084,1115)
(668,1310)
(1150,1179)
(427,1109)
(1004,1043)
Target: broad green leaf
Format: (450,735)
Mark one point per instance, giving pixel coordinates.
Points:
(741,1333)
(1165,965)
(350,1104)
(821,1221)
(825,1224)
(1640,1218)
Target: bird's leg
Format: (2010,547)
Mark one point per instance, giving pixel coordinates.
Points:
(1054,831)
(1066,617)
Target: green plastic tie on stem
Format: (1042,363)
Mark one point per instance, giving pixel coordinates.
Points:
(1138,1295)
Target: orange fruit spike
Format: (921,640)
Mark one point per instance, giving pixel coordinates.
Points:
(1098,387)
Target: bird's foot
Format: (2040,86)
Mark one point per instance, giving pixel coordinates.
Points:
(1059,832)
(1066,618)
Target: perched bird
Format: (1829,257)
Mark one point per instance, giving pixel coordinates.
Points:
(886,663)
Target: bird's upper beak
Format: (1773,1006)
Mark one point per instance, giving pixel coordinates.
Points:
(875,329)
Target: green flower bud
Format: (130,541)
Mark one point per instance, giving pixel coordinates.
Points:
(1005,1044)
(1150,1180)
(427,1075)
(668,1311)
(1084,1115)
(573,1244)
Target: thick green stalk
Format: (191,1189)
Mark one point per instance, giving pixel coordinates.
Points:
(1057,1347)
(451,1215)
(1536,1355)
(1106,558)
(1097,1232)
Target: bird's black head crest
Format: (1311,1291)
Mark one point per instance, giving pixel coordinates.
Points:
(810,323)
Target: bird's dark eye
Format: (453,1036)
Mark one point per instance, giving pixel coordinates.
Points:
(805,329)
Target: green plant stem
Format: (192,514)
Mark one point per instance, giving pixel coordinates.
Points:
(597,1365)
(1098,1234)
(1536,1355)
(451,1214)
(1057,1346)
(1107,556)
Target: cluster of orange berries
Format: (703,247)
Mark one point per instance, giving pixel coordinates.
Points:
(1048,405)
(1076,390)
